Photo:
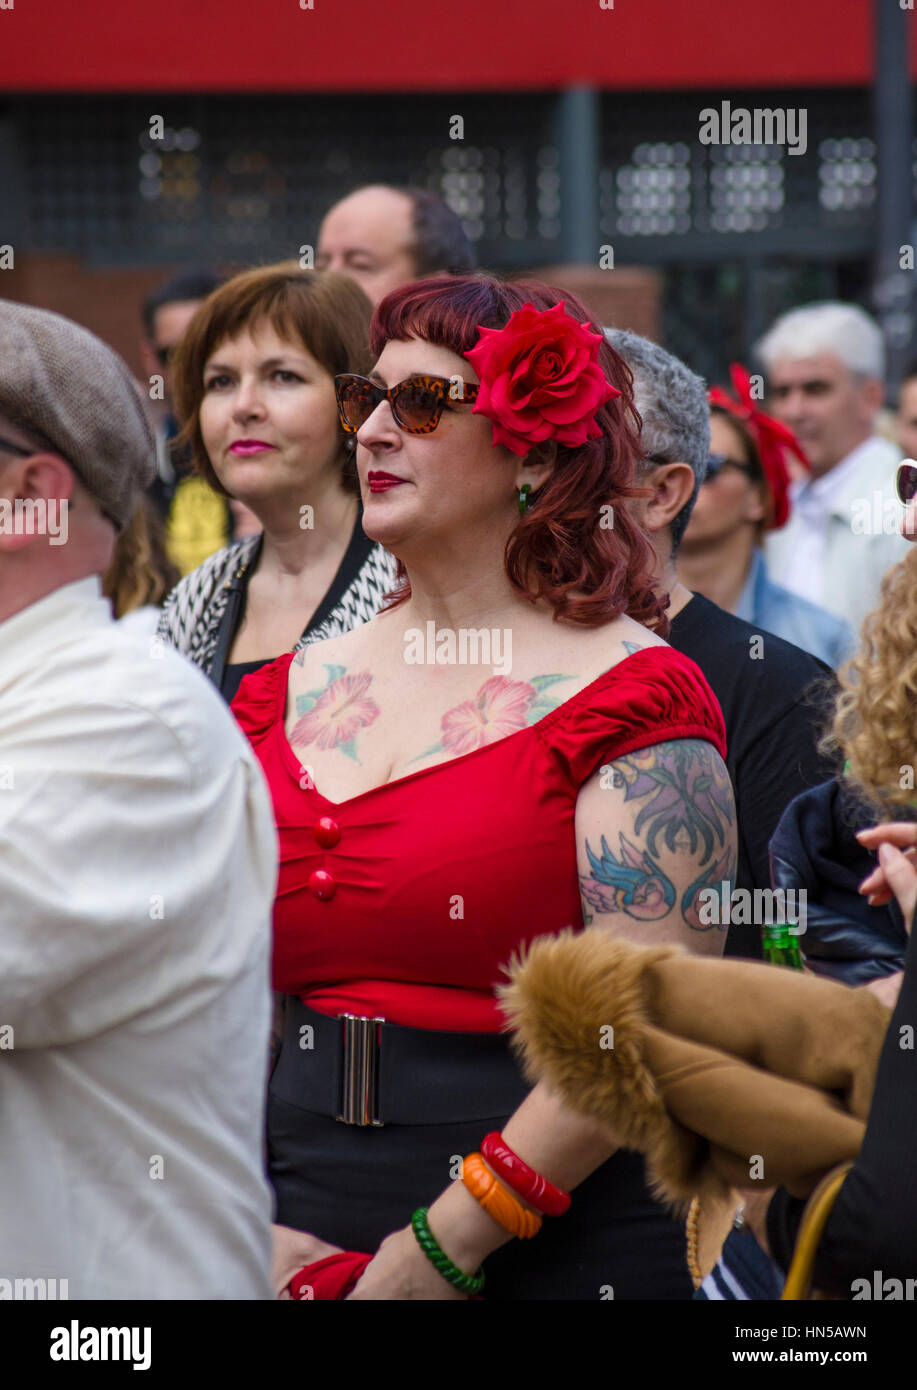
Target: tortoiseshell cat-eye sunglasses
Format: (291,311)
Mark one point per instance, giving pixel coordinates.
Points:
(417,403)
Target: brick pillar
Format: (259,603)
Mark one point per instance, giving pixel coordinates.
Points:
(107,301)
(627,298)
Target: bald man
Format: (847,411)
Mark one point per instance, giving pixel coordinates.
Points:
(384,236)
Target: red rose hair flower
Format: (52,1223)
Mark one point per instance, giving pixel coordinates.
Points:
(540,379)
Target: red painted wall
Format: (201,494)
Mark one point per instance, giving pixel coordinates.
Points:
(402,45)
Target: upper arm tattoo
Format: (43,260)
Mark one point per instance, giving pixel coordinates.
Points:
(683,822)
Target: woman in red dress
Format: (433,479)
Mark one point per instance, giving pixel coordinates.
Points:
(510,748)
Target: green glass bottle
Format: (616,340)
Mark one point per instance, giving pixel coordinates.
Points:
(779,947)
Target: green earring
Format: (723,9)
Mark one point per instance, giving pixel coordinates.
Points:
(524,498)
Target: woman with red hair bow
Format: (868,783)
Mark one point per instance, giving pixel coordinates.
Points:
(744,495)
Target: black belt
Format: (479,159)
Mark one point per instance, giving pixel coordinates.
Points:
(365,1071)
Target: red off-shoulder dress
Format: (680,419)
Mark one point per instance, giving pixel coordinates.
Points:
(407,900)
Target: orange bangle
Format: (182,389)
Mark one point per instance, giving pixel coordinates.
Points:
(498,1201)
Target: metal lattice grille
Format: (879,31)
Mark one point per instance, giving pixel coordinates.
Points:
(740,230)
(251,175)
(666,196)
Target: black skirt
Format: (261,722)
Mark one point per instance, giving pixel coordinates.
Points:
(439,1094)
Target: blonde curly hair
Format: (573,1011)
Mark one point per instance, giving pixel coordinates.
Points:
(875,715)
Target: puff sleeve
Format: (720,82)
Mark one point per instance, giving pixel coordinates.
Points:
(261,698)
(653,695)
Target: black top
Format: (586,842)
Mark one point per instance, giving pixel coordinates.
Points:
(234,675)
(775,699)
(815,852)
(229,678)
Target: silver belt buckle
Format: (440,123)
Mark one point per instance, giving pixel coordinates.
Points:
(362,1039)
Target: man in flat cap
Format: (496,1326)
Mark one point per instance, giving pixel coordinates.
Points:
(137,868)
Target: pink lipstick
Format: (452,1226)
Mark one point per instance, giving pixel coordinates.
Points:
(249,446)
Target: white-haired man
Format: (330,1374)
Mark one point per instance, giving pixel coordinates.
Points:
(825,365)
(137,873)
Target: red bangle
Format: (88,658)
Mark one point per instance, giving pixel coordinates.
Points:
(536,1190)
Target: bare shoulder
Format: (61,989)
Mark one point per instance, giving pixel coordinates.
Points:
(605,646)
(357,646)
(633,636)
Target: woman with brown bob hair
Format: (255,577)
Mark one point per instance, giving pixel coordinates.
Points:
(254,390)
(434,817)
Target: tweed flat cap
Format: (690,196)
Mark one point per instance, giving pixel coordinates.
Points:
(60,382)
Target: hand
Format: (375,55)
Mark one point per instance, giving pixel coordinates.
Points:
(400,1270)
(291,1250)
(896,875)
(886,989)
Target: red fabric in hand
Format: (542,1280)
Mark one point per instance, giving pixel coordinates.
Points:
(333,1277)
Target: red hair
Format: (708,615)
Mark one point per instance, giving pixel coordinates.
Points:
(558,551)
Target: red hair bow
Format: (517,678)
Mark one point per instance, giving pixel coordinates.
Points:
(771,436)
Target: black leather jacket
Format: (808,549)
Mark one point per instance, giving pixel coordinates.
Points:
(814,850)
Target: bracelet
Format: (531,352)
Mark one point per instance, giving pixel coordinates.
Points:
(497,1200)
(536,1190)
(467,1283)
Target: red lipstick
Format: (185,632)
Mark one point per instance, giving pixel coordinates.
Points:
(381,482)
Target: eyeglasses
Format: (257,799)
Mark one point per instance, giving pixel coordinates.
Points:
(906,481)
(417,403)
(717,462)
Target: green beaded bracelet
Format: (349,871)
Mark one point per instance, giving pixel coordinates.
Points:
(467,1283)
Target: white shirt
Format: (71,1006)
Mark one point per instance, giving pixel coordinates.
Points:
(811,501)
(141,622)
(137,876)
(842,536)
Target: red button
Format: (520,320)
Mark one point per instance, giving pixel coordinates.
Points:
(322,885)
(327,832)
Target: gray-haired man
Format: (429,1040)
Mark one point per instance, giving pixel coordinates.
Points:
(825,365)
(761,682)
(137,867)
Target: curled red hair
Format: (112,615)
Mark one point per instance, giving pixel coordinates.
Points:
(559,551)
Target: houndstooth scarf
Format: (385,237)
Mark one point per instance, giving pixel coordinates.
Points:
(191,614)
